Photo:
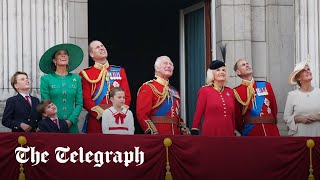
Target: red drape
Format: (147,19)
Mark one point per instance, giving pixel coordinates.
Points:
(191,157)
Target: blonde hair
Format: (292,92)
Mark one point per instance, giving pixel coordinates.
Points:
(210,76)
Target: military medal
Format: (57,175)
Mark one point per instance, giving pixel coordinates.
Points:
(115,84)
(267,103)
(262,91)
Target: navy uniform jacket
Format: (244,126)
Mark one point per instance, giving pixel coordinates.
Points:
(47,125)
(19,111)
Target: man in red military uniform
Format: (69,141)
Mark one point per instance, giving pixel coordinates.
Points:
(158,103)
(96,84)
(256,104)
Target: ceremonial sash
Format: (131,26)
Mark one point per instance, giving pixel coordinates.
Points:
(114,73)
(255,112)
(165,107)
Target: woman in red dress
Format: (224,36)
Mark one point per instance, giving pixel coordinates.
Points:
(216,103)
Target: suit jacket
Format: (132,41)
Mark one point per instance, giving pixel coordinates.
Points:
(19,111)
(47,125)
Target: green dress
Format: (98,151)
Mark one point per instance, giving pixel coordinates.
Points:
(66,93)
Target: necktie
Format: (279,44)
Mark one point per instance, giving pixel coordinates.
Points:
(27,98)
(56,122)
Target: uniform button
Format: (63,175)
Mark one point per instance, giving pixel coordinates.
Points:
(225,111)
(64,117)
(28,119)
(222,100)
(64,92)
(224,104)
(64,109)
(224,108)
(63,85)
(62,77)
(36,120)
(225,115)
(64,100)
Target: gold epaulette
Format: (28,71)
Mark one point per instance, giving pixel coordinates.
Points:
(144,84)
(161,95)
(93,81)
(250,96)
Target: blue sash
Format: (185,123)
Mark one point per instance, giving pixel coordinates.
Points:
(114,71)
(165,107)
(255,112)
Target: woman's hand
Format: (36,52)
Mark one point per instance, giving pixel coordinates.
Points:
(305,119)
(69,123)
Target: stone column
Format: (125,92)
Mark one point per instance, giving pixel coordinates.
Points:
(307,34)
(233,27)
(28,28)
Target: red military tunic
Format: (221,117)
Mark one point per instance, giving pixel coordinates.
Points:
(218,109)
(158,98)
(92,78)
(269,109)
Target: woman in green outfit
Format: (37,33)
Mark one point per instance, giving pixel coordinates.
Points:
(59,85)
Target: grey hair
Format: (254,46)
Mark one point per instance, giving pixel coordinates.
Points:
(158,62)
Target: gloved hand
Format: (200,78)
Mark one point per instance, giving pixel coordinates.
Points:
(194,132)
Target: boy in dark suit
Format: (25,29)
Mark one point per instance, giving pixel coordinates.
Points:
(20,113)
(51,123)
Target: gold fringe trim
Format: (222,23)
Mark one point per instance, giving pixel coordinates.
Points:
(310,144)
(251,95)
(167,142)
(22,140)
(161,96)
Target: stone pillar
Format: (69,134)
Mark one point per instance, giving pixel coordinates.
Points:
(307,34)
(233,27)
(28,28)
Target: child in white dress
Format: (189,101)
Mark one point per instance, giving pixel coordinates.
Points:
(117,119)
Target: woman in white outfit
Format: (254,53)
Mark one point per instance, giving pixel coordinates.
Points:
(302,111)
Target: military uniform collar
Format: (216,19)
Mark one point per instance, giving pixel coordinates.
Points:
(218,88)
(247,83)
(161,81)
(101,66)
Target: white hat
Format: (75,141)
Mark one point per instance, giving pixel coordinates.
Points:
(299,67)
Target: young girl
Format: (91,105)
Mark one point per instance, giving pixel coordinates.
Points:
(117,119)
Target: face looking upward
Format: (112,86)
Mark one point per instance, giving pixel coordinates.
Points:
(61,58)
(50,110)
(165,68)
(118,99)
(304,75)
(244,68)
(23,83)
(219,75)
(98,52)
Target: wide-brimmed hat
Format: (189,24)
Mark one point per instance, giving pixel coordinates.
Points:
(75,57)
(299,67)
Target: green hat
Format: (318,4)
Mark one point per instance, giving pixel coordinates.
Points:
(75,57)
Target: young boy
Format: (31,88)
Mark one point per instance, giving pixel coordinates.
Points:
(51,123)
(117,119)
(20,113)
